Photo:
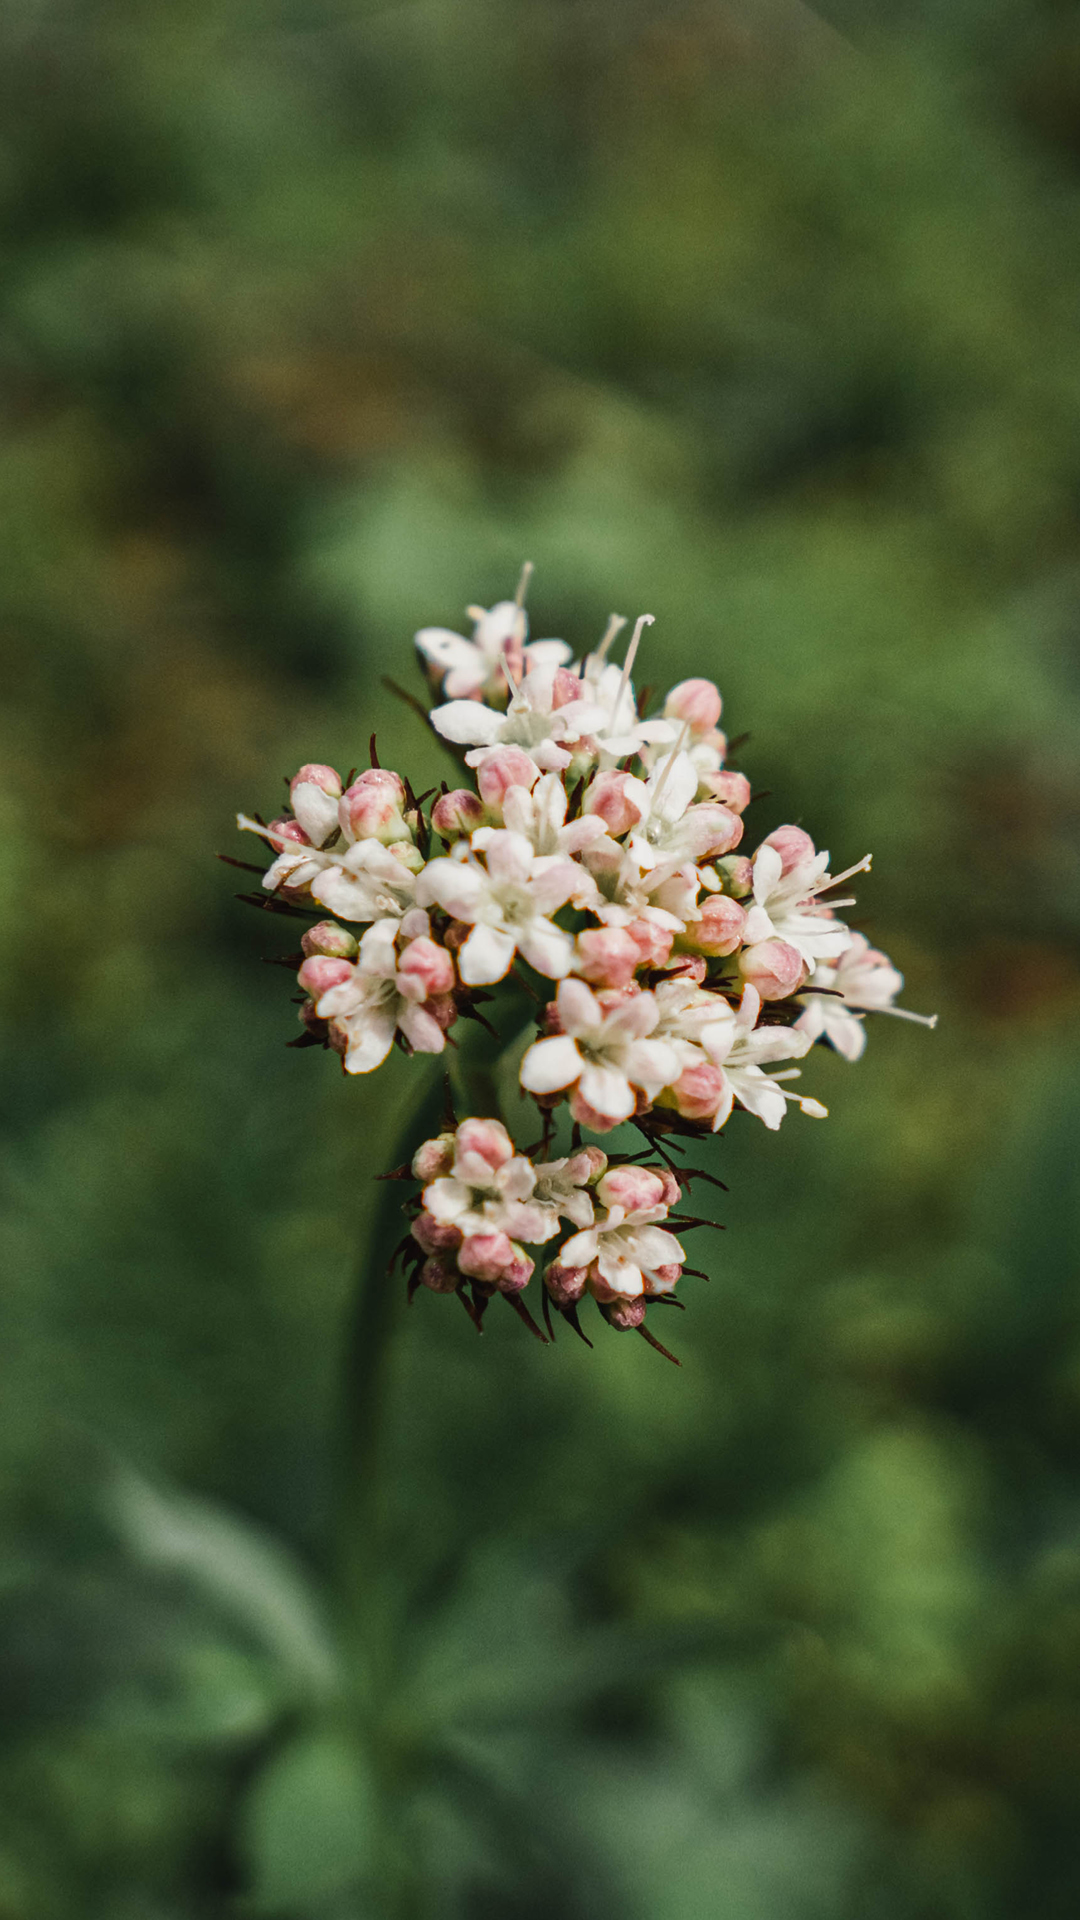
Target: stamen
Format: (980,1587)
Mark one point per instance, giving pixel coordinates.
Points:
(861,866)
(643,620)
(523,584)
(670,762)
(903,1013)
(615,625)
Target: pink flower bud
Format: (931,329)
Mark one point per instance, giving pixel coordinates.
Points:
(792,844)
(653,943)
(330,939)
(407,854)
(457,813)
(565,1284)
(610,998)
(327,779)
(434,1157)
(436,1236)
(715,828)
(773,967)
(729,787)
(698,1091)
(495,1259)
(625,1315)
(429,965)
(440,1274)
(606,956)
(321,972)
(290,830)
(371,808)
(720,929)
(737,875)
(672,1189)
(634,1189)
(550,1021)
(697,701)
(687,966)
(566,688)
(611,797)
(501,769)
(486,1141)
(663,1279)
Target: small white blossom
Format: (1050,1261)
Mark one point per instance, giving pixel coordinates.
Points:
(493,1193)
(379,999)
(508,903)
(472,667)
(626,1252)
(541,817)
(867,982)
(564,1184)
(604,1054)
(787,907)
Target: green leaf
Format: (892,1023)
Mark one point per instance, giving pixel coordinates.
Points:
(307,1827)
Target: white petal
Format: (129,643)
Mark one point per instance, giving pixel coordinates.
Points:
(447,649)
(607,1092)
(486,956)
(580,1248)
(652,1064)
(547,653)
(468,723)
(509,857)
(547,948)
(345,895)
(370,1040)
(447,1198)
(845,1031)
(315,810)
(421,1030)
(758,1094)
(550,1065)
(768,868)
(619,1274)
(454,885)
(579,1008)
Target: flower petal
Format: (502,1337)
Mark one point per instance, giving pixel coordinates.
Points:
(370,1039)
(607,1092)
(455,885)
(550,1065)
(547,948)
(468,723)
(486,956)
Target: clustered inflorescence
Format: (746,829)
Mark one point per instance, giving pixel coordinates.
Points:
(599,847)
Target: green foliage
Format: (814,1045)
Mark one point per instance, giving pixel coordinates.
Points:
(320,319)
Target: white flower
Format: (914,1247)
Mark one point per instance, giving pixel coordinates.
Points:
(378,1000)
(541,817)
(366,882)
(692,1020)
(508,904)
(739,1047)
(628,1254)
(486,1199)
(532,721)
(665,894)
(672,831)
(786,905)
(563,1184)
(622,732)
(603,1054)
(865,980)
(472,666)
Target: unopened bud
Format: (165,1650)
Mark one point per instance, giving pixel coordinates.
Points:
(737,875)
(434,1158)
(792,844)
(430,965)
(436,1236)
(320,973)
(495,1259)
(565,1284)
(672,1189)
(698,1091)
(407,855)
(565,688)
(314,793)
(371,808)
(697,701)
(501,769)
(617,799)
(634,1189)
(482,1147)
(290,830)
(773,967)
(330,939)
(729,787)
(720,928)
(663,1279)
(625,1315)
(606,956)
(441,1274)
(457,813)
(715,829)
(687,966)
(652,942)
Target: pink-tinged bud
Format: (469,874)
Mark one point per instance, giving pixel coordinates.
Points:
(316,775)
(737,875)
(597,1159)
(440,1274)
(609,999)
(634,1189)
(486,1141)
(429,965)
(792,844)
(320,973)
(653,943)
(457,813)
(698,1091)
(407,855)
(687,966)
(611,797)
(625,1315)
(717,830)
(501,769)
(566,688)
(550,1021)
(330,939)
(495,1259)
(720,929)
(732,789)
(434,1157)
(663,1279)
(697,701)
(436,1236)
(672,1189)
(371,808)
(773,967)
(587,1116)
(565,1284)
(606,956)
(290,830)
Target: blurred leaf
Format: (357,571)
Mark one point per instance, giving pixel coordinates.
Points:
(307,1828)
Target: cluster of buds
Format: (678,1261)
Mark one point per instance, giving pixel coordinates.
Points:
(595,849)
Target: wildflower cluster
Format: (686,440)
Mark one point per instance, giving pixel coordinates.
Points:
(594,850)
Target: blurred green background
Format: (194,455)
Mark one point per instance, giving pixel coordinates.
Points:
(318,319)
